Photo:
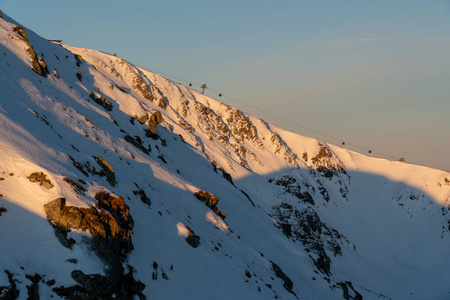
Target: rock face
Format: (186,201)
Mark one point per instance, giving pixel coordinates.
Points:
(110,224)
(306,226)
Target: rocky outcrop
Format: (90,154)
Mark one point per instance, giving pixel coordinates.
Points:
(33,288)
(2,210)
(35,64)
(11,291)
(137,142)
(287,282)
(293,187)
(305,225)
(142,87)
(154,119)
(326,162)
(211,201)
(107,170)
(109,223)
(102,101)
(41,178)
(75,185)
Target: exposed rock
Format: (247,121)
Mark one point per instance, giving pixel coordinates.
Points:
(143,196)
(306,226)
(79,75)
(41,178)
(192,239)
(33,289)
(107,170)
(293,187)
(43,65)
(287,282)
(21,32)
(106,104)
(78,59)
(55,72)
(78,166)
(75,185)
(142,87)
(154,119)
(346,292)
(109,224)
(142,119)
(137,142)
(326,162)
(226,175)
(211,201)
(2,210)
(9,292)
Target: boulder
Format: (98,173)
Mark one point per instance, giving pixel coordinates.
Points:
(154,119)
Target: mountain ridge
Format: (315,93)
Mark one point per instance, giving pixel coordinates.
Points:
(297,209)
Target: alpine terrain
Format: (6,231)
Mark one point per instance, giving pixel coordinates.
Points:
(117,183)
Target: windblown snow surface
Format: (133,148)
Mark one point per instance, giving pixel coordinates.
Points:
(304,219)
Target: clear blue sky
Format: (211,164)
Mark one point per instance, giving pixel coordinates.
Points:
(375,74)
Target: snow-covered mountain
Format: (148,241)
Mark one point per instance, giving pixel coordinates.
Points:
(116,183)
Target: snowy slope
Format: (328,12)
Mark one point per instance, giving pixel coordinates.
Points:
(304,220)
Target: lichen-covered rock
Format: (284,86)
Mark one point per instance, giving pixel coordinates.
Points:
(107,170)
(41,178)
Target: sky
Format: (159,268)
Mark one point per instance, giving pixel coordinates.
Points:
(372,74)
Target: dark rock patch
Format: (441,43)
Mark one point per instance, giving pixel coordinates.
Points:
(2,210)
(107,170)
(287,282)
(109,223)
(33,289)
(137,142)
(143,196)
(192,239)
(9,292)
(106,104)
